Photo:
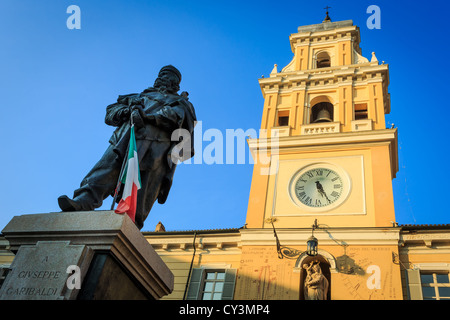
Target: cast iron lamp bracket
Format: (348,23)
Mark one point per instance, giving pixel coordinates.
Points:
(291,253)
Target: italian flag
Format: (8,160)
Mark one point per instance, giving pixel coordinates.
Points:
(131,179)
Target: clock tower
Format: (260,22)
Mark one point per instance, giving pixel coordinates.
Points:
(331,156)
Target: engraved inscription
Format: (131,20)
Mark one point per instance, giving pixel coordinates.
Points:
(38,272)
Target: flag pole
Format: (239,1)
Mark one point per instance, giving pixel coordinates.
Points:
(125,159)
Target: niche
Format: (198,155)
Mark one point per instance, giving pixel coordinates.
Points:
(315,279)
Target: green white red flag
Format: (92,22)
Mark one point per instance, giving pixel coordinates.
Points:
(131,179)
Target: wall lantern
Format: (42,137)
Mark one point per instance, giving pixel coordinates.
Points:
(312,245)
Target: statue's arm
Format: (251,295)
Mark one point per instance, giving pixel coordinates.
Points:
(169,118)
(315,281)
(117,114)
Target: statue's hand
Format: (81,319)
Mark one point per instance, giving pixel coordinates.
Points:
(140,109)
(137,119)
(123,115)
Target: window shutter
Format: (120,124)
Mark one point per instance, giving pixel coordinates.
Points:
(194,284)
(414,284)
(228,287)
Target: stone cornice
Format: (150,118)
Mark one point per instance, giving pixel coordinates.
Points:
(371,71)
(325,32)
(321,141)
(265,236)
(325,236)
(336,141)
(426,239)
(207,241)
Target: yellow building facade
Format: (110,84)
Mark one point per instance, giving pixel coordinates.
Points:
(324,168)
(326,163)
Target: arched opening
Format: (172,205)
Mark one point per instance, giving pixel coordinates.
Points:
(315,279)
(323,60)
(322,112)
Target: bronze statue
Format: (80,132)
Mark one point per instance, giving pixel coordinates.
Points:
(156,113)
(315,284)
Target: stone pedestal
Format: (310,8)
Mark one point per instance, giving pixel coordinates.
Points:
(92,255)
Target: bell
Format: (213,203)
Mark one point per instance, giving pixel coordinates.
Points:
(323,116)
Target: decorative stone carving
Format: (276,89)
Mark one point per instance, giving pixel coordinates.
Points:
(316,284)
(359,58)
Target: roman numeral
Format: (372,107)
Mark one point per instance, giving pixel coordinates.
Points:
(337,186)
(334,194)
(318,203)
(309,174)
(334,179)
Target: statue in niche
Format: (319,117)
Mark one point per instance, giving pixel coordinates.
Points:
(316,284)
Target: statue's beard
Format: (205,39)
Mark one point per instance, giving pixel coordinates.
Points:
(166,86)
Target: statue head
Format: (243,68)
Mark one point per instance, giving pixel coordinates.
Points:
(316,268)
(168,80)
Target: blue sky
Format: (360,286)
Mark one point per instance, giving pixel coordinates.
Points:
(55,84)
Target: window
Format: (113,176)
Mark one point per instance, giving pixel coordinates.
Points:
(435,285)
(361,111)
(283,118)
(211,284)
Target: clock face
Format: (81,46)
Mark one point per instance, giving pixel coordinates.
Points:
(319,187)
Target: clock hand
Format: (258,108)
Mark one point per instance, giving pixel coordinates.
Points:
(321,191)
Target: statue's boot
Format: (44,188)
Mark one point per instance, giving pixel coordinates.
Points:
(67,204)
